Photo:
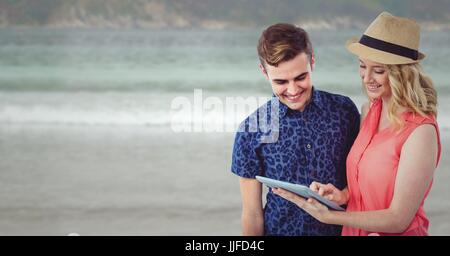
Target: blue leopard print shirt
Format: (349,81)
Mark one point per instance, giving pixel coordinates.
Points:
(307,146)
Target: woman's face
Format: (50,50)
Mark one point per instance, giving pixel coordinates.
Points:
(375,79)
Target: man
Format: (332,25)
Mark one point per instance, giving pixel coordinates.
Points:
(314,133)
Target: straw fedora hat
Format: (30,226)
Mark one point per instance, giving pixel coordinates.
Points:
(389,40)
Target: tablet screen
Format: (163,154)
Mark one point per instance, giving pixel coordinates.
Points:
(300,190)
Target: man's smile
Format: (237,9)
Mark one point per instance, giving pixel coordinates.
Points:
(294,97)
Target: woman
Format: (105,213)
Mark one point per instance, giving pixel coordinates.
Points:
(391,164)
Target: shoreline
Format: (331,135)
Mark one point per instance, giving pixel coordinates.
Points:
(335,24)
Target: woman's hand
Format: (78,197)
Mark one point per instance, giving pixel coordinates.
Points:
(311,206)
(330,192)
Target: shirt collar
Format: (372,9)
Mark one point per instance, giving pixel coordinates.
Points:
(316,100)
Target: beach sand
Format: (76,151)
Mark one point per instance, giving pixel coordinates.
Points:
(116,181)
(106,180)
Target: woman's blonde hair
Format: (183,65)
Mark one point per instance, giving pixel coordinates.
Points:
(412,89)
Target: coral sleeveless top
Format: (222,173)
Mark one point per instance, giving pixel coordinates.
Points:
(372,168)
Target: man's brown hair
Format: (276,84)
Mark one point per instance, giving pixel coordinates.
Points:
(283,42)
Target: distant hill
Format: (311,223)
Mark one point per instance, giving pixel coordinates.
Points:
(215,13)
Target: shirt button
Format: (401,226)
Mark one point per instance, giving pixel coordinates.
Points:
(308,146)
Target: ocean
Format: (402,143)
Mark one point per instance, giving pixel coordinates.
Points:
(88,126)
(130,77)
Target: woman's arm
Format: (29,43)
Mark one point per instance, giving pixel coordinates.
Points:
(414,175)
(252,218)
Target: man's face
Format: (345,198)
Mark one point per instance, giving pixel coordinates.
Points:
(291,81)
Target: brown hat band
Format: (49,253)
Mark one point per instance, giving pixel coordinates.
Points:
(389,47)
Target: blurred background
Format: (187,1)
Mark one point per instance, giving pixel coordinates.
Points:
(86,92)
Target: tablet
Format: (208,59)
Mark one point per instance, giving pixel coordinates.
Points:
(300,190)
